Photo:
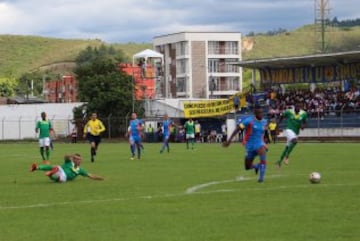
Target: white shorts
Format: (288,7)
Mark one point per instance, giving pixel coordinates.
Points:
(61,174)
(44,141)
(290,135)
(190,136)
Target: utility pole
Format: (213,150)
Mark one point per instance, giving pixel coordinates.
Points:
(322,20)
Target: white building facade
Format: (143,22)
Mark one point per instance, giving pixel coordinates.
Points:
(198,65)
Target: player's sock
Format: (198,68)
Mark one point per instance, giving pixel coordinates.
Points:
(256,168)
(283,154)
(47,152)
(187,144)
(138,151)
(132,149)
(42,153)
(44,167)
(291,147)
(262,171)
(162,148)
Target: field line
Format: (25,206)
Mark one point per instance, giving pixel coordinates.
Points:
(186,193)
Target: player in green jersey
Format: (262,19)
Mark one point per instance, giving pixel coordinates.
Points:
(68,171)
(190,133)
(44,128)
(295,120)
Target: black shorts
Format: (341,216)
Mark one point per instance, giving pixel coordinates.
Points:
(92,138)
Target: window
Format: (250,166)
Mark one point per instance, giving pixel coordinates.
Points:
(231,47)
(213,47)
(181,66)
(182,48)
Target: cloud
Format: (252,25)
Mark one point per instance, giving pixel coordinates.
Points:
(140,21)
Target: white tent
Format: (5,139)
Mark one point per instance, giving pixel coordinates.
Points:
(144,56)
(148,53)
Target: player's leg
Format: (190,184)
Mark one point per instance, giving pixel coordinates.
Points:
(41,167)
(289,134)
(187,140)
(262,165)
(132,147)
(42,147)
(249,159)
(165,144)
(57,174)
(138,147)
(290,149)
(92,150)
(192,141)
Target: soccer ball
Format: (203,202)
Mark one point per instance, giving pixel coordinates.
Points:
(314,177)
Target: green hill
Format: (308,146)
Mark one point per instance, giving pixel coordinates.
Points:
(21,54)
(303,41)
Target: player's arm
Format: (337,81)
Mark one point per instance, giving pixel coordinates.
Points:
(95,177)
(239,128)
(37,127)
(86,129)
(102,127)
(303,124)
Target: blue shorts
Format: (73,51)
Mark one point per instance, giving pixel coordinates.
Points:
(135,140)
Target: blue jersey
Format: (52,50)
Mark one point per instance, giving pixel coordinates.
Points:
(166,127)
(134,125)
(254,132)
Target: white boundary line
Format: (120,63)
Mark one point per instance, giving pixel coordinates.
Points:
(186,193)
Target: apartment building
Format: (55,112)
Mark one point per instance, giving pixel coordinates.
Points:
(198,65)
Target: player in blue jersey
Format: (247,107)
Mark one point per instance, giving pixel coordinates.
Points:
(254,127)
(134,133)
(166,125)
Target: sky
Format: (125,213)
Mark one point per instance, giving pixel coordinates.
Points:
(124,21)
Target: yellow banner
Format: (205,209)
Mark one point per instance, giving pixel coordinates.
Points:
(208,108)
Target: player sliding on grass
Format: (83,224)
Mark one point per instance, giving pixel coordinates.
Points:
(254,127)
(296,120)
(68,171)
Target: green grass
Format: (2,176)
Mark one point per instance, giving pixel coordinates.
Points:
(161,197)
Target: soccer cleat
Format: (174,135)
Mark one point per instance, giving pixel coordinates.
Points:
(46,162)
(260,180)
(52,171)
(278,164)
(286,161)
(33,167)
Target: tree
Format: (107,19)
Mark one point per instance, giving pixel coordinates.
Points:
(30,83)
(106,89)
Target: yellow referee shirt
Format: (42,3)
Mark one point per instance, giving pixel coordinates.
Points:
(94,127)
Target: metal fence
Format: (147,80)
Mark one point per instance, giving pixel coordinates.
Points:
(336,124)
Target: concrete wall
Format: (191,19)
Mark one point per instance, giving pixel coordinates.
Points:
(18,121)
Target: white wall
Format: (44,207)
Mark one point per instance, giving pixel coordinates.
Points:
(18,121)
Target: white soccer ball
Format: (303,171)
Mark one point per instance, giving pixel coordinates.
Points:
(314,177)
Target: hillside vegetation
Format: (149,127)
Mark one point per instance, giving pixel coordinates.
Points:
(303,41)
(21,54)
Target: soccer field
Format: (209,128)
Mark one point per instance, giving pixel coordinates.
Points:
(184,195)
